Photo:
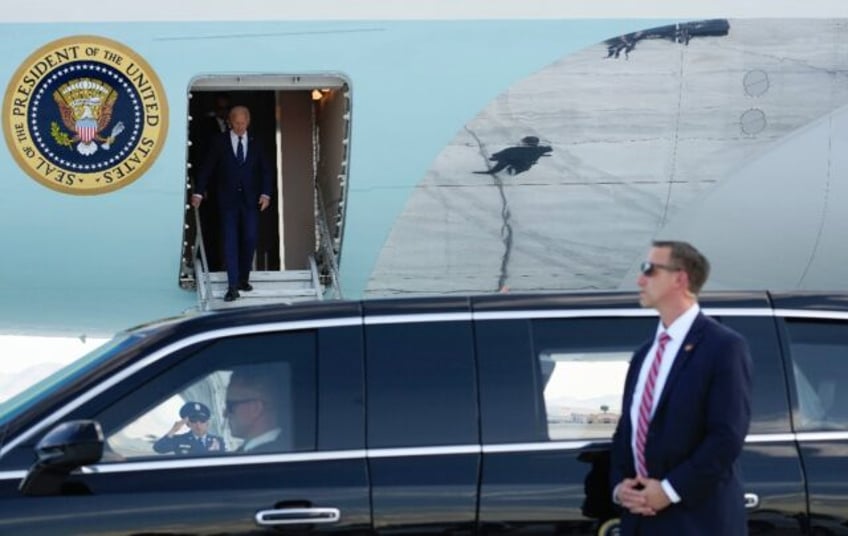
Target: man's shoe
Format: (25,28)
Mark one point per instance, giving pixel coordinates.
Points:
(231,294)
(244,285)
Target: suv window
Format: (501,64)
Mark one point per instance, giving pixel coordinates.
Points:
(583,363)
(555,379)
(819,352)
(583,392)
(769,403)
(420,384)
(254,393)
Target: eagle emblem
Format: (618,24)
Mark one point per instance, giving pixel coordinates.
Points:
(85,105)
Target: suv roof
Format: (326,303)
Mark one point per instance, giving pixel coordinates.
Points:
(328,310)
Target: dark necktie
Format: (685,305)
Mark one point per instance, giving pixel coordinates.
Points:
(240,151)
(647,405)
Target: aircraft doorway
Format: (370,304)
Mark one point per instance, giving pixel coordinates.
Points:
(302,126)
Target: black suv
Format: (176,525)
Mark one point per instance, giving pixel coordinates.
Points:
(481,415)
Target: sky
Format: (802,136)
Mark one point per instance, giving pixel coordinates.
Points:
(26,360)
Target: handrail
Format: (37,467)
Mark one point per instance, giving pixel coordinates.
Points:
(201,269)
(328,254)
(316,280)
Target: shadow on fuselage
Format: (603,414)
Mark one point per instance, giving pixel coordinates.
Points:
(519,158)
(676,33)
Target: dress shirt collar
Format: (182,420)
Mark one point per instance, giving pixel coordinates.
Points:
(267,437)
(234,138)
(681,325)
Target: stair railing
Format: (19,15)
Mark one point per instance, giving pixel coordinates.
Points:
(317,287)
(201,267)
(328,253)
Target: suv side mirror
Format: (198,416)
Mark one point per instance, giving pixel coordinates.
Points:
(66,447)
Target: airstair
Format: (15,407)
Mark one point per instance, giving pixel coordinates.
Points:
(320,281)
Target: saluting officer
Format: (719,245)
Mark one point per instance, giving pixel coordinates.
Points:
(195,416)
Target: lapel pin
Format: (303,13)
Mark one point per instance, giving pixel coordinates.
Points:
(689,347)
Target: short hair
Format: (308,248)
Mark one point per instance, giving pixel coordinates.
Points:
(690,260)
(221,100)
(240,109)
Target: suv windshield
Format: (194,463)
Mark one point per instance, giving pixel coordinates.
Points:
(19,403)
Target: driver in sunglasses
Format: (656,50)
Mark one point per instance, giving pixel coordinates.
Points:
(197,441)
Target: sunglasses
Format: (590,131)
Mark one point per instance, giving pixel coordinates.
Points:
(231,405)
(197,419)
(648,268)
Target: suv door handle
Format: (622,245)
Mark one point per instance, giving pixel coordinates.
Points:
(752,500)
(297,516)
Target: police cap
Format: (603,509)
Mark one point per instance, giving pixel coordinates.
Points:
(195,411)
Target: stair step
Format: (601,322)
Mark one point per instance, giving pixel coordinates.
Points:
(267,277)
(268,287)
(245,301)
(267,292)
(265,286)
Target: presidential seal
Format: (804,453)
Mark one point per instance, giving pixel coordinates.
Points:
(85,115)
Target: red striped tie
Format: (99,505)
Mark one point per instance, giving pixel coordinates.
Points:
(647,405)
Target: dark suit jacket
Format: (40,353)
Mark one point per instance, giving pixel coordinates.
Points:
(696,435)
(236,184)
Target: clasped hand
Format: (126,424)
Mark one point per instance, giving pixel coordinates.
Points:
(642,495)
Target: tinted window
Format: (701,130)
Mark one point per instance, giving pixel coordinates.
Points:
(341,400)
(819,353)
(556,379)
(420,384)
(770,403)
(254,393)
(512,410)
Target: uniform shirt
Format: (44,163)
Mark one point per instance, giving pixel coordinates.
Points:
(188,443)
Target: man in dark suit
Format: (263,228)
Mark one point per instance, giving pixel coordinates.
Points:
(685,411)
(254,408)
(195,416)
(243,182)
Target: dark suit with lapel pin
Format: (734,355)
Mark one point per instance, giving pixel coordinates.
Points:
(695,435)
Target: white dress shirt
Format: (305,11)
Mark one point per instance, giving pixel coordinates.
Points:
(234,140)
(677,331)
(267,437)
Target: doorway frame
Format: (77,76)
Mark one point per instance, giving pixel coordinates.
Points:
(333,219)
